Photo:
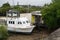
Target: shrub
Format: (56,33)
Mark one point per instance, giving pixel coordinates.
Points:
(3,33)
(51,16)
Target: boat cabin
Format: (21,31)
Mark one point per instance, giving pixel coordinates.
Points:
(37,19)
(18,24)
(13,13)
(20,21)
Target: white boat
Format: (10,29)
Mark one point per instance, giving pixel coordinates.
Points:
(19,24)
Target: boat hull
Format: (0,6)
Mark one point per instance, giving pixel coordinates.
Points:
(22,30)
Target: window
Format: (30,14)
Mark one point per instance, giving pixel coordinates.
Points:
(9,14)
(19,22)
(14,14)
(23,22)
(27,21)
(11,22)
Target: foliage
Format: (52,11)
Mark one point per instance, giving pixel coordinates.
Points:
(21,8)
(3,33)
(25,9)
(5,7)
(51,15)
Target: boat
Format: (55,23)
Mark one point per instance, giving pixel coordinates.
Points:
(16,23)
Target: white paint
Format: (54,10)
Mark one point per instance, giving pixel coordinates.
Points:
(24,27)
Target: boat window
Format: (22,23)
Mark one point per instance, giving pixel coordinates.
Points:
(27,21)
(23,22)
(11,22)
(15,14)
(19,22)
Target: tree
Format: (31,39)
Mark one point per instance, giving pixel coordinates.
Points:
(5,7)
(51,15)
(20,9)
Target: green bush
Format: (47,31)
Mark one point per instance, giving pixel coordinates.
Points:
(3,33)
(51,16)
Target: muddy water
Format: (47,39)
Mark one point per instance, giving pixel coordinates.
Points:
(34,36)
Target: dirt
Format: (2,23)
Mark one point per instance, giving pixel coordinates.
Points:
(36,35)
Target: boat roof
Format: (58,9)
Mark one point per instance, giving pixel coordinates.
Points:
(19,19)
(36,13)
(12,11)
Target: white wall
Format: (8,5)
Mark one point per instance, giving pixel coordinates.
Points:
(28,15)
